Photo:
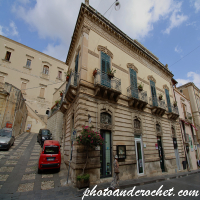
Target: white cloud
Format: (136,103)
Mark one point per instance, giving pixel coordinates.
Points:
(56,19)
(192,77)
(196,4)
(178,49)
(57,51)
(176,19)
(13,29)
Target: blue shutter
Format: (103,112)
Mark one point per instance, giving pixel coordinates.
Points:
(76,70)
(168,100)
(105,67)
(153,93)
(133,79)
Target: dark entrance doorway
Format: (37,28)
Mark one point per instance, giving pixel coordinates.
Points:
(160,152)
(105,155)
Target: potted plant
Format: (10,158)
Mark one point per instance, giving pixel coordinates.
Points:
(61,93)
(140,86)
(160,96)
(67,74)
(175,104)
(57,102)
(95,72)
(89,139)
(111,73)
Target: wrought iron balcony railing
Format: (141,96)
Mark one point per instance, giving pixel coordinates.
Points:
(156,102)
(73,81)
(189,117)
(172,109)
(102,78)
(133,92)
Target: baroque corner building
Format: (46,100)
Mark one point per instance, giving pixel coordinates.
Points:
(133,110)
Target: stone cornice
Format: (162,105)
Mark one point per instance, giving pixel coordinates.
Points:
(85,29)
(132,66)
(105,50)
(93,15)
(165,87)
(189,84)
(150,77)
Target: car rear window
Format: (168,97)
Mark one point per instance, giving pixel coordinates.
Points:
(5,133)
(51,150)
(46,132)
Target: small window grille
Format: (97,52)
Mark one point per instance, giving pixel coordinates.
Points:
(158,128)
(105,118)
(137,124)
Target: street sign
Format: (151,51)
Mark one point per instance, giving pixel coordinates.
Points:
(73,135)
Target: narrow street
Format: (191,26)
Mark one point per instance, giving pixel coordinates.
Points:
(18,171)
(19,178)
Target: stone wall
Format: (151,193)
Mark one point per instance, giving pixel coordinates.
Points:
(122,133)
(55,125)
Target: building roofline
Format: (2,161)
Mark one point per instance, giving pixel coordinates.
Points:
(189,84)
(176,90)
(1,36)
(86,10)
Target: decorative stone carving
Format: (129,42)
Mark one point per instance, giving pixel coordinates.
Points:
(165,87)
(85,29)
(158,126)
(105,50)
(137,123)
(132,66)
(106,126)
(93,53)
(150,77)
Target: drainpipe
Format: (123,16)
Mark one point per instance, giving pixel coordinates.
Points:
(5,106)
(16,108)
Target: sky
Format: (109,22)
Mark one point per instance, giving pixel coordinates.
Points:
(170,29)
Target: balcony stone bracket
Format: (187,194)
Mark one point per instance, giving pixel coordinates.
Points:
(157,111)
(107,93)
(172,116)
(137,103)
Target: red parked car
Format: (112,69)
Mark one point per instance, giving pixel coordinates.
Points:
(50,157)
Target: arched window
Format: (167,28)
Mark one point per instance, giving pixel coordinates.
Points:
(105,118)
(46,70)
(158,128)
(137,124)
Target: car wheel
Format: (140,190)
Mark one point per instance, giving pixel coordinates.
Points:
(39,171)
(12,143)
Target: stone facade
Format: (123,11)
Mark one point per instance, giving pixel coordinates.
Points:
(36,74)
(188,131)
(193,94)
(149,146)
(12,108)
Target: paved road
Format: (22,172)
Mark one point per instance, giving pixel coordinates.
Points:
(19,178)
(183,185)
(18,170)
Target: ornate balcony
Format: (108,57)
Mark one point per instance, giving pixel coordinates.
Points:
(172,112)
(70,91)
(107,87)
(188,118)
(158,106)
(137,98)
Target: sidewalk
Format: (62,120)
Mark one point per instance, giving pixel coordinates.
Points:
(141,181)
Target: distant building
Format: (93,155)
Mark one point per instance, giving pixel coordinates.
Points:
(187,130)
(133,111)
(36,74)
(13,110)
(193,94)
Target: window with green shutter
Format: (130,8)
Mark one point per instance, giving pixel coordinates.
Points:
(153,93)
(168,100)
(133,79)
(105,67)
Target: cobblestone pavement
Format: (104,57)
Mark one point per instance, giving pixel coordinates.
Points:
(18,172)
